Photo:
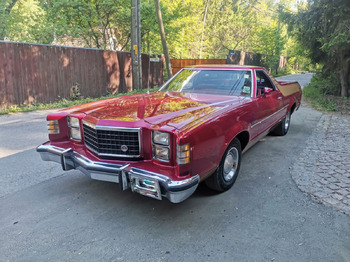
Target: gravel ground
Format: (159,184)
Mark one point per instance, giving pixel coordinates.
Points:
(323,168)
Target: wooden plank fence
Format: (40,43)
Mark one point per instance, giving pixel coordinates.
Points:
(178,64)
(237,58)
(31,73)
(248,58)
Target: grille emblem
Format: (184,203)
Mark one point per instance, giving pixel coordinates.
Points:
(124,148)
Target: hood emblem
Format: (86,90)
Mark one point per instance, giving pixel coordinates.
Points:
(124,148)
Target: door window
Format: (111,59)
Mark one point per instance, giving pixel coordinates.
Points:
(262,80)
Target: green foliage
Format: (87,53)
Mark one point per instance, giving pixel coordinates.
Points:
(5,10)
(318,100)
(192,30)
(230,26)
(326,104)
(322,27)
(25,22)
(90,22)
(318,92)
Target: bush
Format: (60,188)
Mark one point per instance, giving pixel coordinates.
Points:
(323,83)
(321,90)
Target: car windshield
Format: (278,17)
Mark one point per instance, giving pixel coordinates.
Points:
(216,82)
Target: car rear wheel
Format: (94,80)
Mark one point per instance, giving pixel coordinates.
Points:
(282,128)
(227,172)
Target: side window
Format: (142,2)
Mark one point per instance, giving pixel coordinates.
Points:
(262,80)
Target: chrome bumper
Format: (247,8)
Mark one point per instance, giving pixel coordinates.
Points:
(140,181)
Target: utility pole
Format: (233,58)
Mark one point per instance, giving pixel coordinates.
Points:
(136,44)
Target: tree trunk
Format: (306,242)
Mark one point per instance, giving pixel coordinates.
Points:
(162,35)
(344,74)
(204,19)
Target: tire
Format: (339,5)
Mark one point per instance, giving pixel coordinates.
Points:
(227,172)
(282,128)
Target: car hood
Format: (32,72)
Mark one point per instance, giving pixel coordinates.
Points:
(159,108)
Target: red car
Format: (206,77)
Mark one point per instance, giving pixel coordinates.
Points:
(163,144)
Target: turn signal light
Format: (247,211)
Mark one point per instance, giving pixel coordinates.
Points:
(183,154)
(53,127)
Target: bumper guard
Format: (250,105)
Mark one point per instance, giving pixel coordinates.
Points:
(140,181)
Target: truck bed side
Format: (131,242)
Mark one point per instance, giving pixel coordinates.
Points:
(288,88)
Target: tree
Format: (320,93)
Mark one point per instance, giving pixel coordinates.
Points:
(92,21)
(27,22)
(5,10)
(230,26)
(194,28)
(323,27)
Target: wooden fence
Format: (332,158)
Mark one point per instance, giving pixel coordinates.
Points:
(178,64)
(236,57)
(248,58)
(42,73)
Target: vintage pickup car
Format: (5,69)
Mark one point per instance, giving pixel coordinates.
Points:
(163,144)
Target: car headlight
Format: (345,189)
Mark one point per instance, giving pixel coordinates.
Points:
(53,127)
(161,138)
(74,128)
(161,146)
(73,122)
(161,153)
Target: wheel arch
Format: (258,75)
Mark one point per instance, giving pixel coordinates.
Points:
(243,138)
(292,109)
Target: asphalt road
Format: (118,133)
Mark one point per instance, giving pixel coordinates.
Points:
(47,214)
(303,79)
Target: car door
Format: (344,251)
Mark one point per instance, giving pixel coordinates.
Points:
(268,104)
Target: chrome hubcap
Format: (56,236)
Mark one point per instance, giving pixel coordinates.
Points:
(286,122)
(231,163)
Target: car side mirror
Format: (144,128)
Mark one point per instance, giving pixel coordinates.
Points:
(267,90)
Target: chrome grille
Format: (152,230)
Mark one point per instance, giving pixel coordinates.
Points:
(109,141)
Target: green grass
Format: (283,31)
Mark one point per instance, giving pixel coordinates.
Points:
(323,93)
(65,103)
(316,94)
(318,100)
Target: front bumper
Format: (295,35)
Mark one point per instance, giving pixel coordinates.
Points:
(140,181)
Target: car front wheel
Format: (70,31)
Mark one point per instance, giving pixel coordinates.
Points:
(227,172)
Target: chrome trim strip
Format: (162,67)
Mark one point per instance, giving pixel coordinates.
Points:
(111,128)
(255,124)
(117,128)
(84,122)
